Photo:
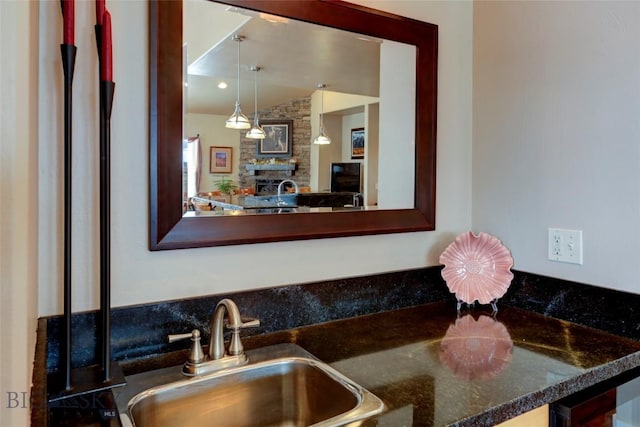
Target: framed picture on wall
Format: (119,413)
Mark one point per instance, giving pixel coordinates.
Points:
(357,143)
(220,160)
(278,142)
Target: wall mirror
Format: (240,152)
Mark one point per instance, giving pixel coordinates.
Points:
(171,66)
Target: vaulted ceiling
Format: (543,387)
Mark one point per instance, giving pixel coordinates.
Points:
(294,56)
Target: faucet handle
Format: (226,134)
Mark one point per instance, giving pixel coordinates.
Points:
(179,337)
(250,323)
(196,355)
(235,346)
(247,322)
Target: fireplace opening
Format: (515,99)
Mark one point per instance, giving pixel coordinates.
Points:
(270,186)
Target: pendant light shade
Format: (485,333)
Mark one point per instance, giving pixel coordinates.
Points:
(322,139)
(237,119)
(256,132)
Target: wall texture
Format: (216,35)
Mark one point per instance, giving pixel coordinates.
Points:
(18,206)
(556,133)
(140,276)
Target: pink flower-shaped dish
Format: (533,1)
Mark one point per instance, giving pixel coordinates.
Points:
(477,268)
(476,350)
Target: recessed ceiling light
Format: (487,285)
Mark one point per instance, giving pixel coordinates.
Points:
(222,85)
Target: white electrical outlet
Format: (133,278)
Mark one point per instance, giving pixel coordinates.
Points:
(565,245)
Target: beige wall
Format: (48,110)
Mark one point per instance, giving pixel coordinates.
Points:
(18,205)
(138,275)
(556,133)
(396,137)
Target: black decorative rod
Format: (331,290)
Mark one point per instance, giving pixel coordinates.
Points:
(68,65)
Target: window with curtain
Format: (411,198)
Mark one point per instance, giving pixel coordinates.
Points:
(191,160)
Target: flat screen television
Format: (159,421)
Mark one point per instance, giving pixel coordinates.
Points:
(345,177)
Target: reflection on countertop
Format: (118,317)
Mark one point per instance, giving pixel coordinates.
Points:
(476,348)
(399,357)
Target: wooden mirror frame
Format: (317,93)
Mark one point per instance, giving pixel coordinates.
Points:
(170,230)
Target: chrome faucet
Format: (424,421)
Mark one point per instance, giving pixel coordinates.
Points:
(216,339)
(279,200)
(218,357)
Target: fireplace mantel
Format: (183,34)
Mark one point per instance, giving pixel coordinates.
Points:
(288,169)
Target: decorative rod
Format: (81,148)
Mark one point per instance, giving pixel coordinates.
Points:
(68,51)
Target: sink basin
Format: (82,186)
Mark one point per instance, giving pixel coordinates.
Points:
(283,391)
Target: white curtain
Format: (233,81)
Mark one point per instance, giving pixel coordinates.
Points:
(193,162)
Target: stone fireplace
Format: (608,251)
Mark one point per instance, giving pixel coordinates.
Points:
(298,111)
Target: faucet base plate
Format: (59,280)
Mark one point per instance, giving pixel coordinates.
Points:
(212,365)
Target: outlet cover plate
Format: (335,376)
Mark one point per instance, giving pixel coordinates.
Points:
(565,245)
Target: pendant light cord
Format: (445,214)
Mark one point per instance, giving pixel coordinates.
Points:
(238,84)
(322,113)
(322,110)
(255,95)
(322,139)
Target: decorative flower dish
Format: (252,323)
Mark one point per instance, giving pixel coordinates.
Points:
(476,349)
(477,268)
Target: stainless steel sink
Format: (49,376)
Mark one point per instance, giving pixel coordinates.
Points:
(287,390)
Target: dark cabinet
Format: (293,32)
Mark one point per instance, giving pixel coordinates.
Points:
(613,403)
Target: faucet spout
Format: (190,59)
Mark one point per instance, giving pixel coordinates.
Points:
(295,186)
(216,340)
(218,358)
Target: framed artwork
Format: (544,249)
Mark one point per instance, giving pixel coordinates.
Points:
(278,142)
(220,160)
(357,143)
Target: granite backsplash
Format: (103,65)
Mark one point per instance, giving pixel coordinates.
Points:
(140,332)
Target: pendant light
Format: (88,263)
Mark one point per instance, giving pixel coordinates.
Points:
(322,139)
(256,131)
(237,119)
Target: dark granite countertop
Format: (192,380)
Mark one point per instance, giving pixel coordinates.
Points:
(400,354)
(432,367)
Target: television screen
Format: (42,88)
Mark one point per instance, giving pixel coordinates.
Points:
(345,177)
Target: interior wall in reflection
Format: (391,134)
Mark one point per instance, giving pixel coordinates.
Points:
(397,131)
(212,134)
